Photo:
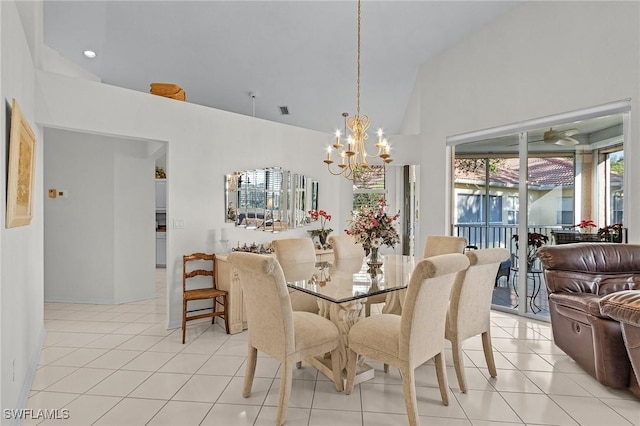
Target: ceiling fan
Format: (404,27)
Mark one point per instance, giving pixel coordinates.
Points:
(559,137)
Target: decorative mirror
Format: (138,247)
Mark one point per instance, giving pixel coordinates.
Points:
(314,195)
(269,199)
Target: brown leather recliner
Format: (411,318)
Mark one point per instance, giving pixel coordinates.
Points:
(624,306)
(577,276)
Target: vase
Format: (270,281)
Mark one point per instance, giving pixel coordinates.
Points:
(322,236)
(374,261)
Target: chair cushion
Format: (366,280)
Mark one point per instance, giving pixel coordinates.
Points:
(203,293)
(378,337)
(623,306)
(312,332)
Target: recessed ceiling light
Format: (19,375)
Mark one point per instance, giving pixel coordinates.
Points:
(89,54)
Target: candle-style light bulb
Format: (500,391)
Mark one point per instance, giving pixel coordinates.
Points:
(328,160)
(337,145)
(384,150)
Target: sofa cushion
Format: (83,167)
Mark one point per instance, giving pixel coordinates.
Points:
(623,306)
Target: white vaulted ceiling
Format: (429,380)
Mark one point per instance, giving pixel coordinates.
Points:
(299,54)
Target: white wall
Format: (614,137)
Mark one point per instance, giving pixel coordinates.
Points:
(78,234)
(3,128)
(203,145)
(100,239)
(538,59)
(134,216)
(21,260)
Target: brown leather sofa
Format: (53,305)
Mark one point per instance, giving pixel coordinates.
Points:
(577,276)
(624,306)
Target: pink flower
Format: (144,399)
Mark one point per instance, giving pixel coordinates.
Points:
(586,224)
(322,216)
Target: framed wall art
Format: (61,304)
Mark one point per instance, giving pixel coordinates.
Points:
(21,170)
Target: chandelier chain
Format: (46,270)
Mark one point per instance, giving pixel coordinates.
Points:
(358,65)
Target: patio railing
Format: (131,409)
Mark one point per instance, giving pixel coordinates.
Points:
(489,236)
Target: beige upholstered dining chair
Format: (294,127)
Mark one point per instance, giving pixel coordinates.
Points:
(346,250)
(345,247)
(275,329)
(407,341)
(435,245)
(470,307)
(443,244)
(295,251)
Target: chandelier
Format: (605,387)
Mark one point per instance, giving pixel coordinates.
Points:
(354,160)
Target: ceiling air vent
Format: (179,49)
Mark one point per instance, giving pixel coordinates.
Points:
(284,110)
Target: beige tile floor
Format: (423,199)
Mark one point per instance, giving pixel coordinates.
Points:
(118,365)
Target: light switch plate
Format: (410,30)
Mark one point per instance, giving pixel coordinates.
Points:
(53,193)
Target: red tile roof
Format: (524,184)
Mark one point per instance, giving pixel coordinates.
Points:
(545,171)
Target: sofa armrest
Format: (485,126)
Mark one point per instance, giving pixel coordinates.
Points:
(623,306)
(586,303)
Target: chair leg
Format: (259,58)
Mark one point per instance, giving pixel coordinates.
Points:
(286,380)
(409,391)
(225,317)
(441,374)
(250,371)
(458,363)
(351,370)
(184,319)
(337,371)
(488,353)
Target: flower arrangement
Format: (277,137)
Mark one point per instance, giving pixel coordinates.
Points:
(372,227)
(323,232)
(534,241)
(587,225)
(612,233)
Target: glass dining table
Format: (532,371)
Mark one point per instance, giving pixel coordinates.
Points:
(341,288)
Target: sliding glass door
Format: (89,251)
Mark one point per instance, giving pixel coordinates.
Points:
(539,183)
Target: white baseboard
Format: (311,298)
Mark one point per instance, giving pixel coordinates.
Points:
(31,373)
(93,301)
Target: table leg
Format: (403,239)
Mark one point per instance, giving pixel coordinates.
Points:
(344,316)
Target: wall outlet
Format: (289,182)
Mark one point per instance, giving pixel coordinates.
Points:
(178,223)
(63,193)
